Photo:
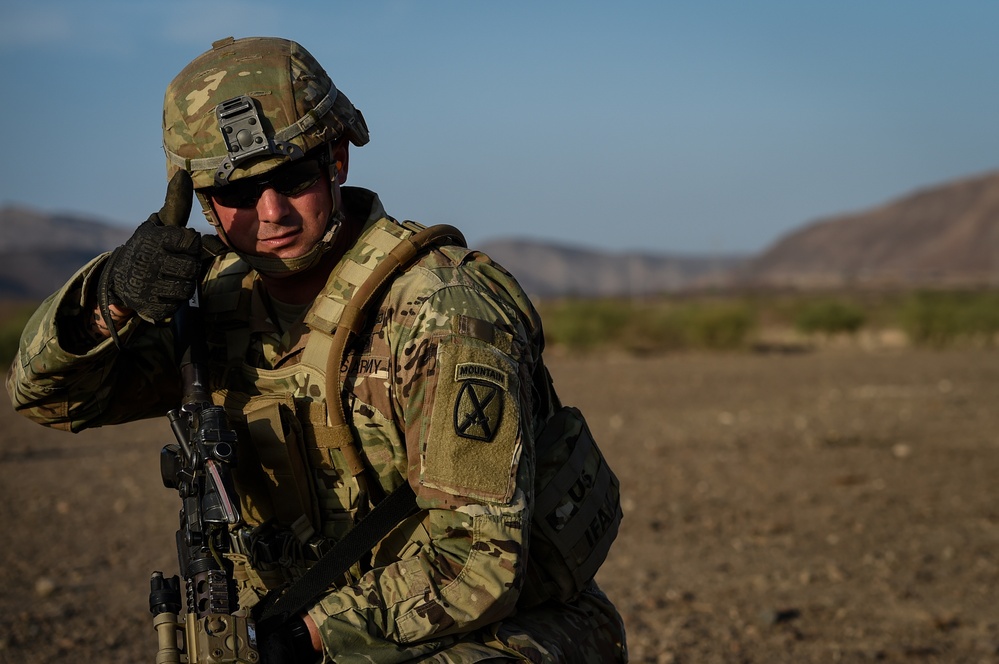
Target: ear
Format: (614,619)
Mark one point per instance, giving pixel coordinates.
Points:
(340,158)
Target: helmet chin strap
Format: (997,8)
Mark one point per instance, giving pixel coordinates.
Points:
(272,265)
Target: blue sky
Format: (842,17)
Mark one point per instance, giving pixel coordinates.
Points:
(694,127)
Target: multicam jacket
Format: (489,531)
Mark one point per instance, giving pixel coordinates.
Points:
(443,391)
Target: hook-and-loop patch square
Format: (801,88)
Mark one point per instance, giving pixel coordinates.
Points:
(473,443)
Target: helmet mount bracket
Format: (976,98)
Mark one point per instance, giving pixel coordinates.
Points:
(243,131)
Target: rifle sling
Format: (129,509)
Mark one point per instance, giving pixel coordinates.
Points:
(385,516)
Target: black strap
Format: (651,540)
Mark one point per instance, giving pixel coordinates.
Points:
(385,516)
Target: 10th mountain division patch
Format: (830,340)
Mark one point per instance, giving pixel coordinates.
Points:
(478,407)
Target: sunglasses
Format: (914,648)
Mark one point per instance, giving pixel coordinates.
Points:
(289,180)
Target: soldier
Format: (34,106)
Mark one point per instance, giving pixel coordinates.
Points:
(445,389)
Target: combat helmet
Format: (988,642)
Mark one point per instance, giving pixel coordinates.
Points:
(246,107)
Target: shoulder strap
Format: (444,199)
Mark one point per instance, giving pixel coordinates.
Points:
(352,321)
(399,504)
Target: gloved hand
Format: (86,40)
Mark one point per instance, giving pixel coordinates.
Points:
(156,270)
(285,643)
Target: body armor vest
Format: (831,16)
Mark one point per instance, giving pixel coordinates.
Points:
(296,475)
(291,472)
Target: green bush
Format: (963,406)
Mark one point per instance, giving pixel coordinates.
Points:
(647,327)
(938,319)
(722,322)
(583,324)
(829,317)
(717,325)
(10,332)
(653,329)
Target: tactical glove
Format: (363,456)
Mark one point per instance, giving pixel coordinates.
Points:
(156,270)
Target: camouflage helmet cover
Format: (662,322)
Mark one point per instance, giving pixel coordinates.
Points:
(299,107)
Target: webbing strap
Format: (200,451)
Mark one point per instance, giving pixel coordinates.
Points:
(351,318)
(354,314)
(344,441)
(549,496)
(399,504)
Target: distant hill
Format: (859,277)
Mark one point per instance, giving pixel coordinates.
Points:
(25,229)
(39,252)
(947,235)
(547,270)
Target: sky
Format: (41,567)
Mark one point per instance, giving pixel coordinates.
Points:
(701,127)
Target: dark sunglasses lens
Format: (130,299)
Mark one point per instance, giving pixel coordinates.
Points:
(289,180)
(237,195)
(295,178)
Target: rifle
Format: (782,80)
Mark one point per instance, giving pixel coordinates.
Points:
(199,465)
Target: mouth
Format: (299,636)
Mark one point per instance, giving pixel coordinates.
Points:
(280,240)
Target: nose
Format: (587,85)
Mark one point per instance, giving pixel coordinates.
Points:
(272,206)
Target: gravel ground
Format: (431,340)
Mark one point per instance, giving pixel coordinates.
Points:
(832,506)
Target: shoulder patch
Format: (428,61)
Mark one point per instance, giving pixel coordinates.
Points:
(483,372)
(472,444)
(478,411)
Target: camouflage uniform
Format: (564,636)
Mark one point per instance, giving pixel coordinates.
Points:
(444,390)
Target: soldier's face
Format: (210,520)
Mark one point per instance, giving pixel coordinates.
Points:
(280,225)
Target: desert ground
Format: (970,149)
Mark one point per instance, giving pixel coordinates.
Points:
(835,505)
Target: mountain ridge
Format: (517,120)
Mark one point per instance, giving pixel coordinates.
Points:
(549,269)
(941,235)
(945,235)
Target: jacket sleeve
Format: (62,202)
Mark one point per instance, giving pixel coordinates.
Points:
(57,387)
(461,383)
